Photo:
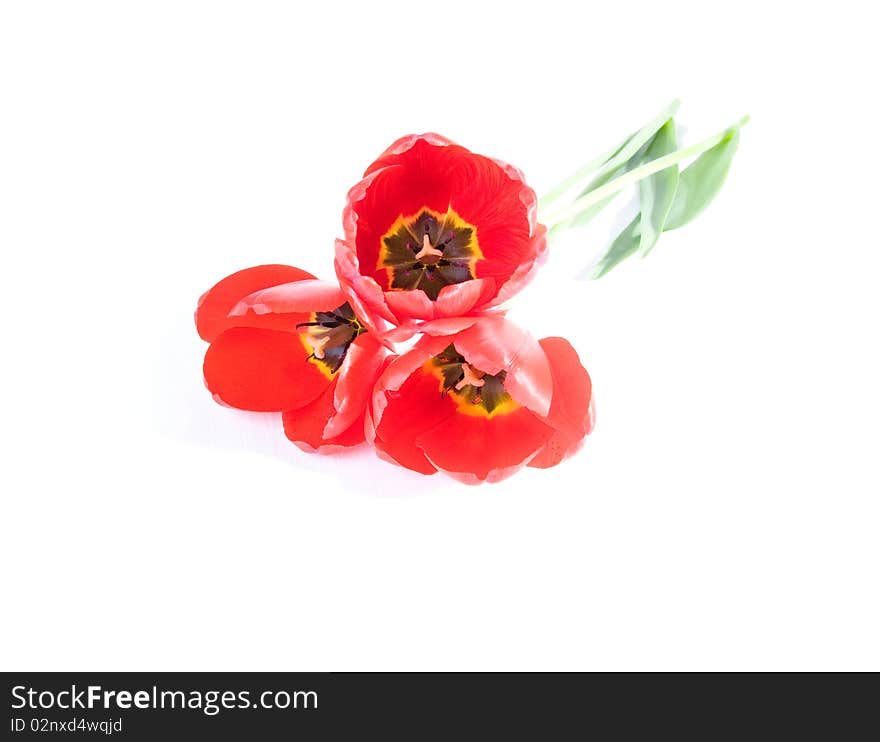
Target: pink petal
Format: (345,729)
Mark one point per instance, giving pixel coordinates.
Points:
(369,425)
(408,141)
(413,304)
(299,296)
(404,331)
(460,298)
(447,325)
(571,413)
(362,291)
(494,344)
(357,376)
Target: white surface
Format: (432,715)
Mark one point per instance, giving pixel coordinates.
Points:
(724,515)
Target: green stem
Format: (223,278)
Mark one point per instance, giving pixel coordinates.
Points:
(640,136)
(566,185)
(637,174)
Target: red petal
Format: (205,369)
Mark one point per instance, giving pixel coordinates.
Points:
(414,425)
(357,376)
(299,296)
(400,368)
(526,271)
(305,426)
(403,415)
(263,370)
(571,410)
(215,304)
(494,344)
(487,448)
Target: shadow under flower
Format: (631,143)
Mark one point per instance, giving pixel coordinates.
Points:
(183,410)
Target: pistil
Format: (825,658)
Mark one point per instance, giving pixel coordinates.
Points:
(318,344)
(428,249)
(471,377)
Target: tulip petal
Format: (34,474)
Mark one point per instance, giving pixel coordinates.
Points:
(369,423)
(403,332)
(262,370)
(447,325)
(496,475)
(400,368)
(494,344)
(405,143)
(414,304)
(571,411)
(299,296)
(306,426)
(407,402)
(458,299)
(357,376)
(526,271)
(214,305)
(488,448)
(365,295)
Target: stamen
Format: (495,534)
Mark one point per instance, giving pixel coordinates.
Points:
(328,335)
(470,378)
(427,249)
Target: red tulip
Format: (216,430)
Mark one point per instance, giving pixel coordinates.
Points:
(435,231)
(282,341)
(482,403)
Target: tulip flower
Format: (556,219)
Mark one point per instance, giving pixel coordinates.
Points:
(435,231)
(283,341)
(482,403)
(437,238)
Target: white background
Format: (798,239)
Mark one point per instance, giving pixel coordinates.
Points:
(724,514)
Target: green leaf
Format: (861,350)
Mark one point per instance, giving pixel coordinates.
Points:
(697,185)
(659,198)
(657,191)
(624,245)
(701,180)
(633,147)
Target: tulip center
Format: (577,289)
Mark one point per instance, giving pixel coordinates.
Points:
(428,251)
(327,336)
(475,392)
